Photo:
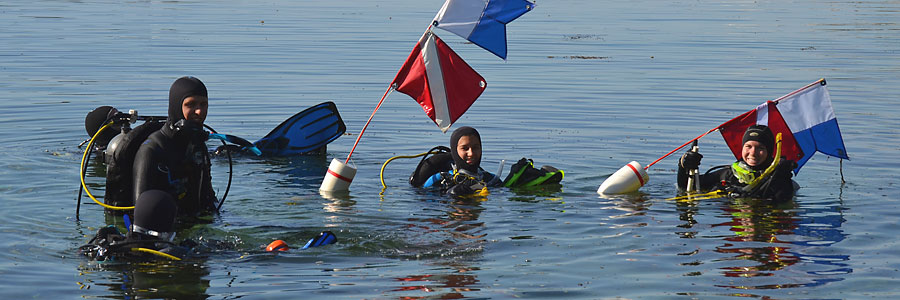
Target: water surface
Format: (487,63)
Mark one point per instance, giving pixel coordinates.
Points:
(588,87)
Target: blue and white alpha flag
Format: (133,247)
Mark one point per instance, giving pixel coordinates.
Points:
(804,117)
(809,114)
(482,22)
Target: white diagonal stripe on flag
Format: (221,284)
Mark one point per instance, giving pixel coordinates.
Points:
(436,83)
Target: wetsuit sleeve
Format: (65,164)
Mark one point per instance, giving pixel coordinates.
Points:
(142,172)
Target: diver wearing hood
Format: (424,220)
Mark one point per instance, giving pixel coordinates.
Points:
(756,156)
(458,171)
(175,159)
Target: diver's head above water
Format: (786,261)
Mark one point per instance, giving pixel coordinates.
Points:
(465,148)
(188,100)
(188,104)
(758,143)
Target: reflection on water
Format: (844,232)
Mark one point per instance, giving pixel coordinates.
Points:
(454,281)
(757,221)
(772,246)
(156,280)
(457,233)
(457,229)
(536,193)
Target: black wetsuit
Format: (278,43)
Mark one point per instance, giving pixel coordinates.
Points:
(778,186)
(166,162)
(175,158)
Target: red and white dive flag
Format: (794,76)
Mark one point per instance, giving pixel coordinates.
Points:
(805,118)
(443,84)
(764,114)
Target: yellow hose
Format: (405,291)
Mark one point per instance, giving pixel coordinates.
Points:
(87,150)
(154,252)
(381,175)
(710,195)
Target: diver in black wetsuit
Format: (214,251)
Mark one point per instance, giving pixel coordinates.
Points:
(175,159)
(458,172)
(756,155)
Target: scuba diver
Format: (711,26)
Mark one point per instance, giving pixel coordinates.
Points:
(457,170)
(746,177)
(162,169)
(175,158)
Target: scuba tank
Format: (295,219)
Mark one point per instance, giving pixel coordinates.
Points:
(120,161)
(120,155)
(439,162)
(118,150)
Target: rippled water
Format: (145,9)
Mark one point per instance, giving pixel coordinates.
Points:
(588,86)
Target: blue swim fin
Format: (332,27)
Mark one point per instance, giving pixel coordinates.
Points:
(324,238)
(306,131)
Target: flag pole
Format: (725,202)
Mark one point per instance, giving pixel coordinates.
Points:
(390,88)
(820,81)
(679,147)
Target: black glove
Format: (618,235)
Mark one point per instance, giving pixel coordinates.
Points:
(785,169)
(460,190)
(690,160)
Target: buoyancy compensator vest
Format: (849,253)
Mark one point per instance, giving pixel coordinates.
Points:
(120,161)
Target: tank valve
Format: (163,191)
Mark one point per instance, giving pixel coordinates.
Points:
(133,114)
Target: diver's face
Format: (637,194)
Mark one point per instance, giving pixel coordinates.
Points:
(469,149)
(754,153)
(194,108)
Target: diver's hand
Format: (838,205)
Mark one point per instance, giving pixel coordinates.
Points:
(785,169)
(461,190)
(690,160)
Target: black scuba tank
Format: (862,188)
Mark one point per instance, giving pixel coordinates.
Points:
(441,161)
(120,161)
